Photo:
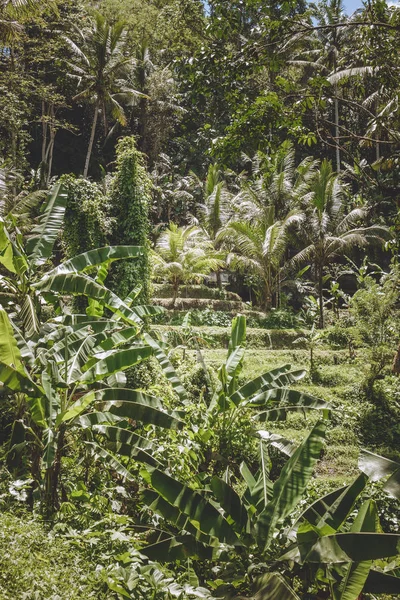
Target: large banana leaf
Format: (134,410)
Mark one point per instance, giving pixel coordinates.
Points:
(28,316)
(179,547)
(110,362)
(174,516)
(77,408)
(231,503)
(238,333)
(127,443)
(137,406)
(356,574)
(110,460)
(18,381)
(377,467)
(280,377)
(290,486)
(9,351)
(40,244)
(334,508)
(202,514)
(79,284)
(353,547)
(382,583)
(6,249)
(93,258)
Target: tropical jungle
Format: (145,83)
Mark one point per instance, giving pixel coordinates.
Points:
(199,299)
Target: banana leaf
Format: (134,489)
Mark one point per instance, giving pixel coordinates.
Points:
(202,514)
(290,486)
(40,244)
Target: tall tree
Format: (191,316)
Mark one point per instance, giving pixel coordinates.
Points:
(101,67)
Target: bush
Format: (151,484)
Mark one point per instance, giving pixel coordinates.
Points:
(165,290)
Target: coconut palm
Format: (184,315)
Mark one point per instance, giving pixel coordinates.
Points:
(258,249)
(214,212)
(184,255)
(325,228)
(101,69)
(275,182)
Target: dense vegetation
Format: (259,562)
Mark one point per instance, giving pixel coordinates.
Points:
(199,300)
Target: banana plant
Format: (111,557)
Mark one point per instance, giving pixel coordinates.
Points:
(269,397)
(325,538)
(72,379)
(217,515)
(210,520)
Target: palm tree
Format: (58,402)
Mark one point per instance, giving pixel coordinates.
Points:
(325,228)
(258,248)
(215,212)
(101,69)
(184,255)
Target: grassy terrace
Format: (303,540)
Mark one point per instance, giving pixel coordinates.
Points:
(338,380)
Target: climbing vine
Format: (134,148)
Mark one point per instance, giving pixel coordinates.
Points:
(129,208)
(87,224)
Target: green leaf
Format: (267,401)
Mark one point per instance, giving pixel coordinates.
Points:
(173,515)
(382,583)
(280,377)
(238,333)
(79,284)
(290,486)
(353,547)
(178,547)
(29,317)
(113,361)
(356,574)
(9,351)
(93,258)
(110,461)
(334,508)
(77,408)
(6,249)
(128,443)
(230,502)
(203,515)
(41,242)
(377,467)
(274,587)
(167,367)
(132,404)
(18,381)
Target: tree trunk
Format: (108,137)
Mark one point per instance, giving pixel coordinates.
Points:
(50,149)
(321,297)
(53,476)
(44,131)
(337,132)
(92,135)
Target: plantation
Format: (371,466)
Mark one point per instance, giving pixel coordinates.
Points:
(199,300)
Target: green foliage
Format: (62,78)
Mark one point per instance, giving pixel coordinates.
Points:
(129,208)
(86,224)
